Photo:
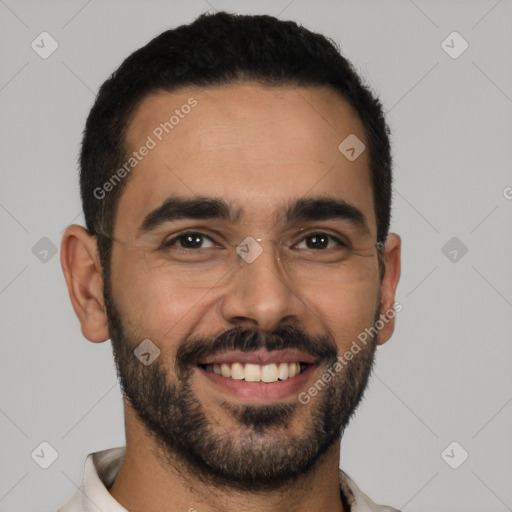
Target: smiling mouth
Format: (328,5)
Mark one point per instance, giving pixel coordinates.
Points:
(249,372)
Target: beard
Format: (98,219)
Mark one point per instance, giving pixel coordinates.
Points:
(260,453)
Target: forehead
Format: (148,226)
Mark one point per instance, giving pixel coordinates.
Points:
(255,146)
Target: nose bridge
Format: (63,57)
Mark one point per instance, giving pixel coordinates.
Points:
(261,269)
(259,290)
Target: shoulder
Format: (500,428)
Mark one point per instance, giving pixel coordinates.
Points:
(357,499)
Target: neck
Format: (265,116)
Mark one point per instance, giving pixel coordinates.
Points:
(147,483)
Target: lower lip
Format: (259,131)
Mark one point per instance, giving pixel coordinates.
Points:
(260,391)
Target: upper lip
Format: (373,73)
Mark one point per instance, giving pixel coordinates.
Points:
(260,357)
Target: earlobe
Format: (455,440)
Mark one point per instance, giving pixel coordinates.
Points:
(82,270)
(392,258)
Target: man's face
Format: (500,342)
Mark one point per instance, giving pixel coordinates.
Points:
(303,299)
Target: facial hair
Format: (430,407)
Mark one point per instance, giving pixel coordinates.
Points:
(261,453)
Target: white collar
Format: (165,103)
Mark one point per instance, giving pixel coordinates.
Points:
(101,469)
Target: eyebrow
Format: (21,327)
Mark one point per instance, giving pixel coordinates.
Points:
(324,208)
(205,208)
(175,208)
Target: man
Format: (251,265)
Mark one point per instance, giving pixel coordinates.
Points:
(236,185)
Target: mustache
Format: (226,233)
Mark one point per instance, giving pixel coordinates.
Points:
(322,348)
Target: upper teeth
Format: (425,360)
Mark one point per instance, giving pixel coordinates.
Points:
(256,372)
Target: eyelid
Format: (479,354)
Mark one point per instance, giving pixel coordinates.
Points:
(337,238)
(171,240)
(179,228)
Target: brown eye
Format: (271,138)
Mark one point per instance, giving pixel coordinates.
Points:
(190,240)
(320,241)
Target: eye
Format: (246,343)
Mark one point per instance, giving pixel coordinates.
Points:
(190,240)
(320,241)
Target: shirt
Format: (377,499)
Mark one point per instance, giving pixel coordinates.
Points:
(101,469)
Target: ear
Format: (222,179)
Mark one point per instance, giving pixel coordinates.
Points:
(80,263)
(389,283)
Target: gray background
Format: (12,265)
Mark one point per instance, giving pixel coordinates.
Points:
(443,377)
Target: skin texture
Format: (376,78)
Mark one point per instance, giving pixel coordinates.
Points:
(257,148)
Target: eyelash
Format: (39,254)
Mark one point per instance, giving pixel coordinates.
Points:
(171,242)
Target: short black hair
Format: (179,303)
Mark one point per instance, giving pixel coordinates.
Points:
(221,49)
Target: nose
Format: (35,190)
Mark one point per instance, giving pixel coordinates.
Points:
(260,294)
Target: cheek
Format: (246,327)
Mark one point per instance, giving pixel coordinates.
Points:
(348,310)
(151,305)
